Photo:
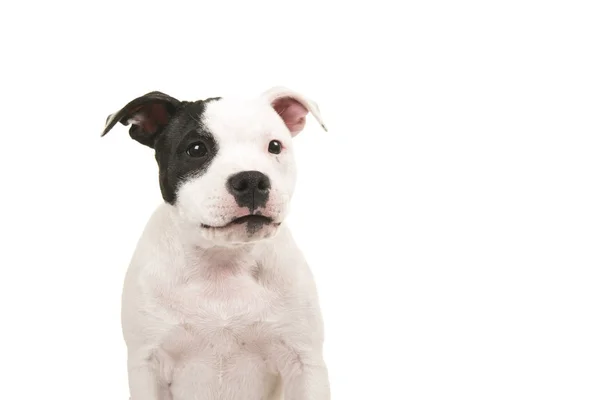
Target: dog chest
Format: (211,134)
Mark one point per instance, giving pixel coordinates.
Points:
(219,337)
(228,315)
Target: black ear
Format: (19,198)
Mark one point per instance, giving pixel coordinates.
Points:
(148,115)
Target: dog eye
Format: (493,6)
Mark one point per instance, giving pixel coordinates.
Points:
(275,146)
(197,150)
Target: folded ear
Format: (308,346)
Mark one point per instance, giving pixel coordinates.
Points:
(147,114)
(292,107)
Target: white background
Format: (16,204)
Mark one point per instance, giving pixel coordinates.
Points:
(451,214)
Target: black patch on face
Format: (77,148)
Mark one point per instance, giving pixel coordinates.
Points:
(255,226)
(174,163)
(253,222)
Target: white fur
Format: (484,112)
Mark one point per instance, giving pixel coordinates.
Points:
(243,129)
(209,313)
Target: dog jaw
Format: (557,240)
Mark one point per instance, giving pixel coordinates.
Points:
(239,233)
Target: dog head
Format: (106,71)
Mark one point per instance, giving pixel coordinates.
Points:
(226,165)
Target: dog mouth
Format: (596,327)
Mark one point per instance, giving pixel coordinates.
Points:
(251,220)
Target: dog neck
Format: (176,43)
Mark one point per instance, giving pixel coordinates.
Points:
(212,259)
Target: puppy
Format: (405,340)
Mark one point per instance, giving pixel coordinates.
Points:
(218,301)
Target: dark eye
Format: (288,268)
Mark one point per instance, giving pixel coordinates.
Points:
(197,150)
(275,146)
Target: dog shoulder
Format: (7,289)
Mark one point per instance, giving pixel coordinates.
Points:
(158,246)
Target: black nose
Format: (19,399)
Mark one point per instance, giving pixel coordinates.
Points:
(250,189)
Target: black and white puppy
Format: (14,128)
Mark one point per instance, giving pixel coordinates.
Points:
(218,301)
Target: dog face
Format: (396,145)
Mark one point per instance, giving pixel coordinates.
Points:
(227,165)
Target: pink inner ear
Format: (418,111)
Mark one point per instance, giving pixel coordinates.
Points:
(292,112)
(150,117)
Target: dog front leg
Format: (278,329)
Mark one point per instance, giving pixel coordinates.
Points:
(306,380)
(146,378)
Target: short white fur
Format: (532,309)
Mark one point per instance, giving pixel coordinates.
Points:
(208,313)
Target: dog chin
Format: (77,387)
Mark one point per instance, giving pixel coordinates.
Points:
(240,233)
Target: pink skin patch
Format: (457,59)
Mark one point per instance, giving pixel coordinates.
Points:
(243,211)
(292,112)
